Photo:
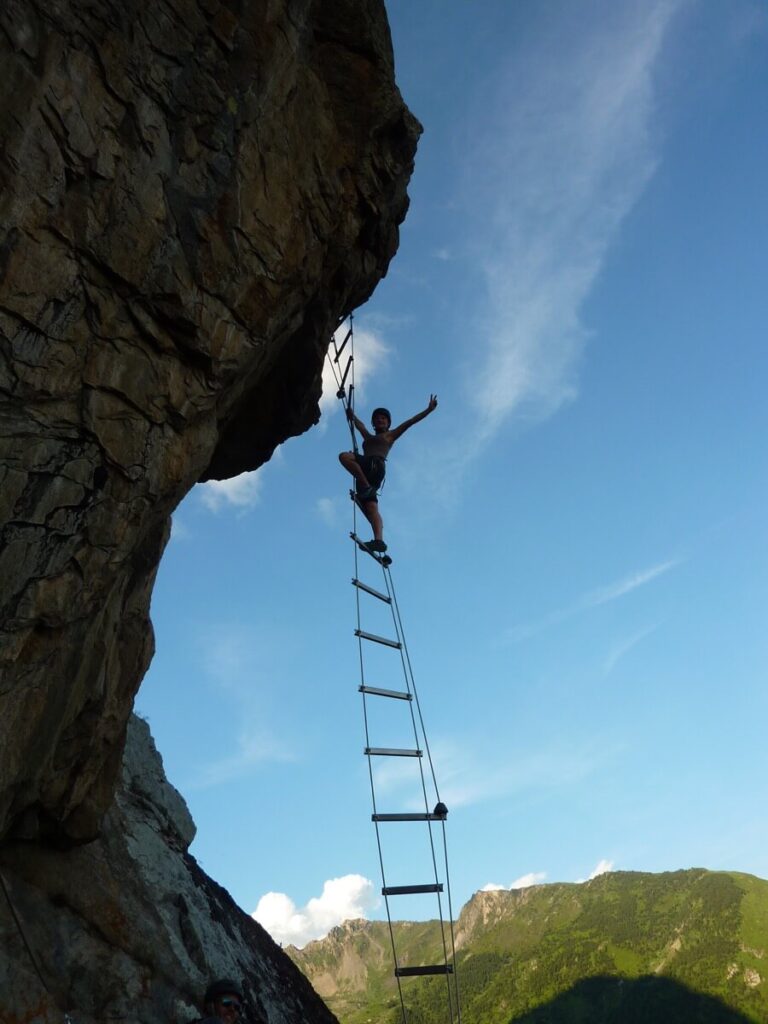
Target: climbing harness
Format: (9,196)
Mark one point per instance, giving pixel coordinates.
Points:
(405,695)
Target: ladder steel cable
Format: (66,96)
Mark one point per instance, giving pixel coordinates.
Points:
(450,918)
(408,669)
(417,725)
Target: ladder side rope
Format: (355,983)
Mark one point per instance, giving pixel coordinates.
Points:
(417,721)
(373,786)
(348,400)
(349,406)
(419,739)
(390,584)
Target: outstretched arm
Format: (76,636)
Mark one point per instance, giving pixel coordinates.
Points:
(358,423)
(397,431)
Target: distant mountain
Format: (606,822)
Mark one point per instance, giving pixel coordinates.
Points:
(682,947)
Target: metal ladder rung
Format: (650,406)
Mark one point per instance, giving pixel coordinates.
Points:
(408,817)
(378,639)
(412,972)
(369,590)
(376,691)
(393,752)
(407,890)
(343,345)
(346,372)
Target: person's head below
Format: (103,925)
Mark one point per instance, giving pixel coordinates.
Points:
(381,420)
(224,999)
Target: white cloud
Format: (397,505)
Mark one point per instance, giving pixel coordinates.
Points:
(532,878)
(592,599)
(371,354)
(342,899)
(328,510)
(523,882)
(558,162)
(603,867)
(239,492)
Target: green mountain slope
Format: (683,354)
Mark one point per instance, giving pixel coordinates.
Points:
(673,948)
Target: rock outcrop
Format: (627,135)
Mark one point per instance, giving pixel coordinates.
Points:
(192,193)
(128,927)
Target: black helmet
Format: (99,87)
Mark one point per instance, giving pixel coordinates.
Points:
(384,412)
(223,987)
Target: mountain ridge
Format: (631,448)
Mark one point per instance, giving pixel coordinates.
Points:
(705,933)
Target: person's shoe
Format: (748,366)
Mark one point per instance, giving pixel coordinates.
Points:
(373,547)
(366,494)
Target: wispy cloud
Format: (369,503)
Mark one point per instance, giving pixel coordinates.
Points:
(328,510)
(566,152)
(179,529)
(592,599)
(342,899)
(624,646)
(252,747)
(235,659)
(625,586)
(468,775)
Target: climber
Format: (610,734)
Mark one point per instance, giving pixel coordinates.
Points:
(368,469)
(222,1003)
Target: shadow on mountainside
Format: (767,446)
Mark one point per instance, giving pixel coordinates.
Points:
(646,1000)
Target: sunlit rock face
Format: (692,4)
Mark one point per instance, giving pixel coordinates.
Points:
(128,927)
(192,192)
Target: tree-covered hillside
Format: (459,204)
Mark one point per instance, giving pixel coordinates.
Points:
(683,947)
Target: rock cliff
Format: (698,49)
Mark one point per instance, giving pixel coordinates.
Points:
(192,192)
(128,927)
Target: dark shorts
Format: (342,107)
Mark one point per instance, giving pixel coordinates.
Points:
(374,469)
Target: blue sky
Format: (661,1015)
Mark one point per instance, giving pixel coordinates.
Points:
(578,531)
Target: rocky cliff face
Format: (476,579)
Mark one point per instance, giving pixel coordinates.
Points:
(128,927)
(192,192)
